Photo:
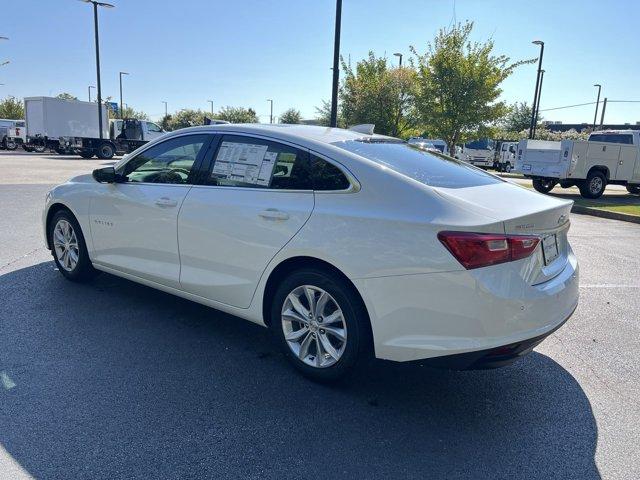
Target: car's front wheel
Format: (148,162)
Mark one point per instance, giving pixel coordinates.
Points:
(68,247)
(321,324)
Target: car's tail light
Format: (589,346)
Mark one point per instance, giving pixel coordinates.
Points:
(475,250)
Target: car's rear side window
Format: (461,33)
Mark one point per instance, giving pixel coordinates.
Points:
(430,168)
(253,162)
(327,176)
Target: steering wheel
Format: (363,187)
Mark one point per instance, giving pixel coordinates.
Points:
(167,176)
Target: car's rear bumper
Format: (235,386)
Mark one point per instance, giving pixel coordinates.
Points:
(417,317)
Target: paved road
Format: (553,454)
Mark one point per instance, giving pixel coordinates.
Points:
(116,380)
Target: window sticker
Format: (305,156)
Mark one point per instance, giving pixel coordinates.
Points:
(245,162)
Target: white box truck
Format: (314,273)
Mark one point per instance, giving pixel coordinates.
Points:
(479,153)
(608,157)
(72,126)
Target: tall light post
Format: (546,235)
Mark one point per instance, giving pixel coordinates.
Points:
(399,55)
(535,92)
(165,108)
(121,110)
(336,70)
(270,114)
(535,123)
(211,102)
(595,115)
(97,4)
(89,90)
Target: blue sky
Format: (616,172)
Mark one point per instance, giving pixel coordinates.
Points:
(242,52)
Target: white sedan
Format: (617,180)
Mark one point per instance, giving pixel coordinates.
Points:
(345,244)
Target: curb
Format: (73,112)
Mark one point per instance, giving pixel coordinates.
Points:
(624,217)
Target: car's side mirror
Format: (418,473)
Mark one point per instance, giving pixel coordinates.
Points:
(105,175)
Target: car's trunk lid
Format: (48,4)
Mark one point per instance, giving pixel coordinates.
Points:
(522,212)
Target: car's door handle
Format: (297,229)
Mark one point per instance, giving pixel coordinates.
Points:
(274,214)
(166,202)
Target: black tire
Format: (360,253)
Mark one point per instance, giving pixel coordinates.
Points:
(544,185)
(11,145)
(105,151)
(86,153)
(83,269)
(594,185)
(633,189)
(358,342)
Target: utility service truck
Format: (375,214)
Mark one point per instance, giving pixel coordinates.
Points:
(72,126)
(608,157)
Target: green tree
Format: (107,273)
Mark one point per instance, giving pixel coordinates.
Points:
(11,108)
(165,122)
(237,115)
(518,118)
(184,118)
(375,93)
(459,85)
(291,116)
(66,96)
(323,115)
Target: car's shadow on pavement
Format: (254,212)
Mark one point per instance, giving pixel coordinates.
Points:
(115,380)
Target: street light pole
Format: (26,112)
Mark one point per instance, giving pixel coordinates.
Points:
(595,115)
(399,55)
(271,114)
(336,70)
(121,110)
(535,124)
(535,92)
(89,89)
(604,108)
(211,102)
(97,4)
(165,108)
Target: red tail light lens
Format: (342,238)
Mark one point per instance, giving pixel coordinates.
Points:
(475,250)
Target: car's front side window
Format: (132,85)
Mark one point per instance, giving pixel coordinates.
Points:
(170,161)
(258,163)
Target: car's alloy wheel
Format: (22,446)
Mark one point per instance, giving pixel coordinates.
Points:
(68,247)
(314,326)
(65,245)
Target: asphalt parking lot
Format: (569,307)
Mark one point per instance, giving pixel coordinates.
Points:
(115,380)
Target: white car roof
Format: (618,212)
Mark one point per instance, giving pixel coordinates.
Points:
(288,132)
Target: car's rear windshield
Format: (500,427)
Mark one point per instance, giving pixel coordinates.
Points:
(430,168)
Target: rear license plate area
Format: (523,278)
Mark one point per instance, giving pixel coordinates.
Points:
(550,248)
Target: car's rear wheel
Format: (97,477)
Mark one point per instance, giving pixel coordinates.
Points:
(68,247)
(544,185)
(321,324)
